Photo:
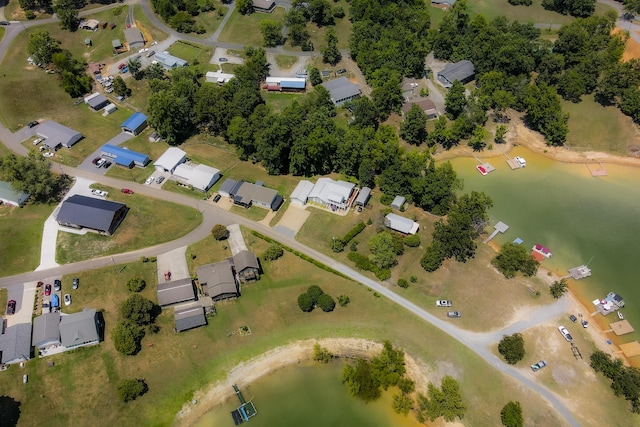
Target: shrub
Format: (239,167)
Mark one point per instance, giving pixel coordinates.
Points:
(337,245)
(138,309)
(511,415)
(412,241)
(354,246)
(219,232)
(136,284)
(413,279)
(305,302)
(326,303)
(383,273)
(512,348)
(321,354)
(127,337)
(354,232)
(361,261)
(403,283)
(386,199)
(343,300)
(129,390)
(558,289)
(273,253)
(315,292)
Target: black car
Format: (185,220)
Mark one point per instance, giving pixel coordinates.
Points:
(106,164)
(11,307)
(33,124)
(341,71)
(4,22)
(573,318)
(216,198)
(159,180)
(57,285)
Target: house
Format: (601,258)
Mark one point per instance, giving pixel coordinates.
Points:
(246,266)
(9,196)
(401,224)
(301,193)
(135,124)
(134,38)
(285,84)
(96,101)
(170,160)
(397,203)
(218,281)
(246,194)
(199,177)
(218,77)
(332,194)
(425,105)
(89,24)
(463,71)
(265,6)
(363,197)
(57,135)
(102,216)
(125,157)
(46,331)
(175,292)
(342,90)
(227,187)
(80,329)
(15,343)
(189,317)
(169,61)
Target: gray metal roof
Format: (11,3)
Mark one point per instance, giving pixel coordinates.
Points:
(401,224)
(15,343)
(98,102)
(398,201)
(57,134)
(189,317)
(245,259)
(363,196)
(227,186)
(176,292)
(89,212)
(46,329)
(461,71)
(256,193)
(341,88)
(10,195)
(217,279)
(133,36)
(79,328)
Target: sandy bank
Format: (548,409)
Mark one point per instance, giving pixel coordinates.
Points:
(247,372)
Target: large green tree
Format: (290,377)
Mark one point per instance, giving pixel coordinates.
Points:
(511,347)
(130,389)
(67,13)
(32,174)
(41,46)
(120,87)
(455,101)
(127,336)
(330,53)
(271,33)
(138,309)
(511,415)
(414,127)
(513,258)
(383,251)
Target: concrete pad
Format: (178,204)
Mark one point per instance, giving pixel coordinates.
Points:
(294,218)
(236,241)
(174,261)
(25,297)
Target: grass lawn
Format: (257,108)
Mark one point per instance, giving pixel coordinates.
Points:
(285,61)
(13,12)
(608,129)
(279,100)
(186,50)
(149,31)
(171,185)
(228,68)
(254,213)
(211,20)
(21,231)
(245,29)
(2,31)
(176,365)
(145,225)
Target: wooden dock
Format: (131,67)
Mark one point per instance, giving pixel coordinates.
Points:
(596,171)
(513,164)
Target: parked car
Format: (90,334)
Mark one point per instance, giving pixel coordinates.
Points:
(121,66)
(48,154)
(454,314)
(223,59)
(57,285)
(216,198)
(443,303)
(38,141)
(541,364)
(67,299)
(11,306)
(4,23)
(47,289)
(159,180)
(151,53)
(96,160)
(127,191)
(149,180)
(55,301)
(584,324)
(567,336)
(106,164)
(110,90)
(341,71)
(573,318)
(33,124)
(99,193)
(25,378)
(100,162)
(75,283)
(124,70)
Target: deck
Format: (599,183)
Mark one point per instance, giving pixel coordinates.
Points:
(596,171)
(621,328)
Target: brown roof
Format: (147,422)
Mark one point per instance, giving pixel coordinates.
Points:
(175,292)
(245,259)
(425,105)
(217,279)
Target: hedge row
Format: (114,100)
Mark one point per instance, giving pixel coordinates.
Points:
(354,232)
(364,263)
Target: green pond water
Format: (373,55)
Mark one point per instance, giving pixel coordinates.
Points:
(309,395)
(580,218)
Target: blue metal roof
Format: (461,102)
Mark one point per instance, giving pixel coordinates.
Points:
(134,121)
(292,84)
(124,156)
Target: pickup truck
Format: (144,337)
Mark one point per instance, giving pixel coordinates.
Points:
(541,364)
(567,336)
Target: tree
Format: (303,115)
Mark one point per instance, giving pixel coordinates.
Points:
(331,54)
(68,14)
(455,101)
(245,7)
(120,87)
(326,303)
(321,354)
(130,389)
(412,241)
(511,347)
(413,128)
(477,138)
(433,256)
(513,258)
(343,300)
(559,288)
(127,336)
(511,415)
(135,68)
(220,232)
(365,113)
(169,116)
(138,309)
(625,381)
(271,33)
(388,367)
(445,402)
(305,302)
(41,46)
(501,131)
(314,292)
(360,381)
(273,252)
(9,411)
(383,250)
(154,71)
(314,76)
(136,284)
(32,174)
(402,403)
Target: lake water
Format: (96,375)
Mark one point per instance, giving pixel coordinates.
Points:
(580,218)
(309,395)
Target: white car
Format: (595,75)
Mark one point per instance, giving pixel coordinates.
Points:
(48,154)
(443,303)
(38,141)
(67,299)
(567,336)
(99,193)
(149,180)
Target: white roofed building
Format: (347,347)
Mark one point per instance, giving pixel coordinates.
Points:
(301,193)
(332,194)
(200,177)
(170,159)
(401,224)
(218,77)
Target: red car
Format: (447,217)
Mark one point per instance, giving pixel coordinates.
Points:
(47,289)
(127,191)
(121,66)
(11,307)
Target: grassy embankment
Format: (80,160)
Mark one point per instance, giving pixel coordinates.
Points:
(245,29)
(145,225)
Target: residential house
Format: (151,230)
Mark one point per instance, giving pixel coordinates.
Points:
(124,157)
(188,317)
(169,61)
(246,194)
(301,193)
(218,77)
(134,38)
(218,281)
(170,160)
(102,216)
(199,177)
(426,105)
(285,84)
(15,343)
(342,90)
(176,292)
(463,71)
(246,266)
(265,6)
(46,331)
(80,329)
(332,194)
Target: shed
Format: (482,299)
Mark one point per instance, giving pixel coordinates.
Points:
(397,203)
(99,215)
(189,317)
(227,187)
(401,224)
(109,108)
(135,124)
(89,24)
(87,41)
(363,196)
(175,292)
(116,44)
(170,160)
(80,329)
(9,196)
(96,101)
(169,61)
(134,37)
(200,177)
(301,193)
(342,90)
(15,344)
(218,281)
(57,135)
(124,156)
(46,330)
(463,71)
(265,6)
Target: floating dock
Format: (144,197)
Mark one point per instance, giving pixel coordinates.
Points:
(580,272)
(630,349)
(245,411)
(500,227)
(596,171)
(621,328)
(516,163)
(485,168)
(611,303)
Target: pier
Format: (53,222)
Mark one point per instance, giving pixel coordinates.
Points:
(579,272)
(599,171)
(484,168)
(500,227)
(245,411)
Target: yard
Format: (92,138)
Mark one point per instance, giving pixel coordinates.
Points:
(245,29)
(176,365)
(211,20)
(145,225)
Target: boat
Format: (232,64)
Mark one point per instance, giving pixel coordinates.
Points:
(482,170)
(620,315)
(521,161)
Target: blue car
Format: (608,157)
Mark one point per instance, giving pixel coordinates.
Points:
(124,70)
(55,301)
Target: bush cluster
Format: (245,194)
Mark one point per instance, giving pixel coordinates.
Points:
(315,297)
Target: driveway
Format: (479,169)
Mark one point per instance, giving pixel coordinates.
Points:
(236,241)
(175,262)
(88,166)
(221,52)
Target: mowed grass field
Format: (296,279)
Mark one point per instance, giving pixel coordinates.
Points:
(245,29)
(21,231)
(81,384)
(535,13)
(145,225)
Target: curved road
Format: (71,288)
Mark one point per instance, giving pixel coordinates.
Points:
(477,342)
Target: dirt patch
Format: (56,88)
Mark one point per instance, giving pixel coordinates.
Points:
(631,48)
